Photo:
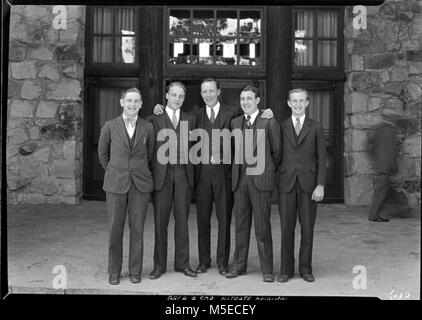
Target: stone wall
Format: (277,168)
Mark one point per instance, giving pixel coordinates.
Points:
(384,76)
(45,95)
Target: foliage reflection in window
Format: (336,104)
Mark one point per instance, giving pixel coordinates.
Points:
(214,37)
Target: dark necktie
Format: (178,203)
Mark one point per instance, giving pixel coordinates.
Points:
(247,123)
(297,126)
(212,118)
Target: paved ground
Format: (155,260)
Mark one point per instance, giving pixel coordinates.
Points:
(43,236)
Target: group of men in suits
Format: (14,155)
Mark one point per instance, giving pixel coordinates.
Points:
(130,157)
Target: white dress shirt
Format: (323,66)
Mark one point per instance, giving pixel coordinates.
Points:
(170,112)
(216,108)
(301,120)
(130,129)
(253,116)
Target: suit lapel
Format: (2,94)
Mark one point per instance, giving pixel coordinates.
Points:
(260,124)
(121,129)
(289,131)
(305,130)
(139,131)
(222,113)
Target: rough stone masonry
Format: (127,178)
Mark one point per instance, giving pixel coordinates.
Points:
(45,94)
(384,76)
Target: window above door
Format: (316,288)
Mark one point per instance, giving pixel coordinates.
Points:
(318,41)
(214,38)
(113,37)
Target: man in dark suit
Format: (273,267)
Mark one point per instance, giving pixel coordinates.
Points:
(125,151)
(213,178)
(252,190)
(384,153)
(301,184)
(173,182)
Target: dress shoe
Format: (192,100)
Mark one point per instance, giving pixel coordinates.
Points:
(135,278)
(234,274)
(202,268)
(308,277)
(155,274)
(268,277)
(188,272)
(223,270)
(283,277)
(378,219)
(114,279)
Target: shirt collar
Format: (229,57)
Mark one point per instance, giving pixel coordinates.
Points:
(170,112)
(216,108)
(253,116)
(126,117)
(301,119)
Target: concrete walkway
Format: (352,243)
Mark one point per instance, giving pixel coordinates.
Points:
(41,237)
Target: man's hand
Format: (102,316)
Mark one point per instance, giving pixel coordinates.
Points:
(158,109)
(318,193)
(267,114)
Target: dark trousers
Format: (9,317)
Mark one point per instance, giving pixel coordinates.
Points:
(175,193)
(248,202)
(135,204)
(212,187)
(381,189)
(296,203)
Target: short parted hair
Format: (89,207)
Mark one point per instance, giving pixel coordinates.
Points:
(124,93)
(176,84)
(252,88)
(299,90)
(211,80)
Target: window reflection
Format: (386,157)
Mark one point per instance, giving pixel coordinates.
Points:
(179,23)
(250,23)
(214,37)
(303,53)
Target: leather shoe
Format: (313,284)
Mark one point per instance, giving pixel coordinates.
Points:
(268,277)
(378,219)
(223,270)
(188,272)
(155,274)
(283,278)
(234,274)
(308,277)
(202,268)
(114,279)
(135,278)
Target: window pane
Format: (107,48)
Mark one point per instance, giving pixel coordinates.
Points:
(226,23)
(327,53)
(303,53)
(250,23)
(103,20)
(202,51)
(102,50)
(179,51)
(304,24)
(249,52)
(226,52)
(327,24)
(125,50)
(179,23)
(125,20)
(203,23)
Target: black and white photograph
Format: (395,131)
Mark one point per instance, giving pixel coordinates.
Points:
(214,152)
